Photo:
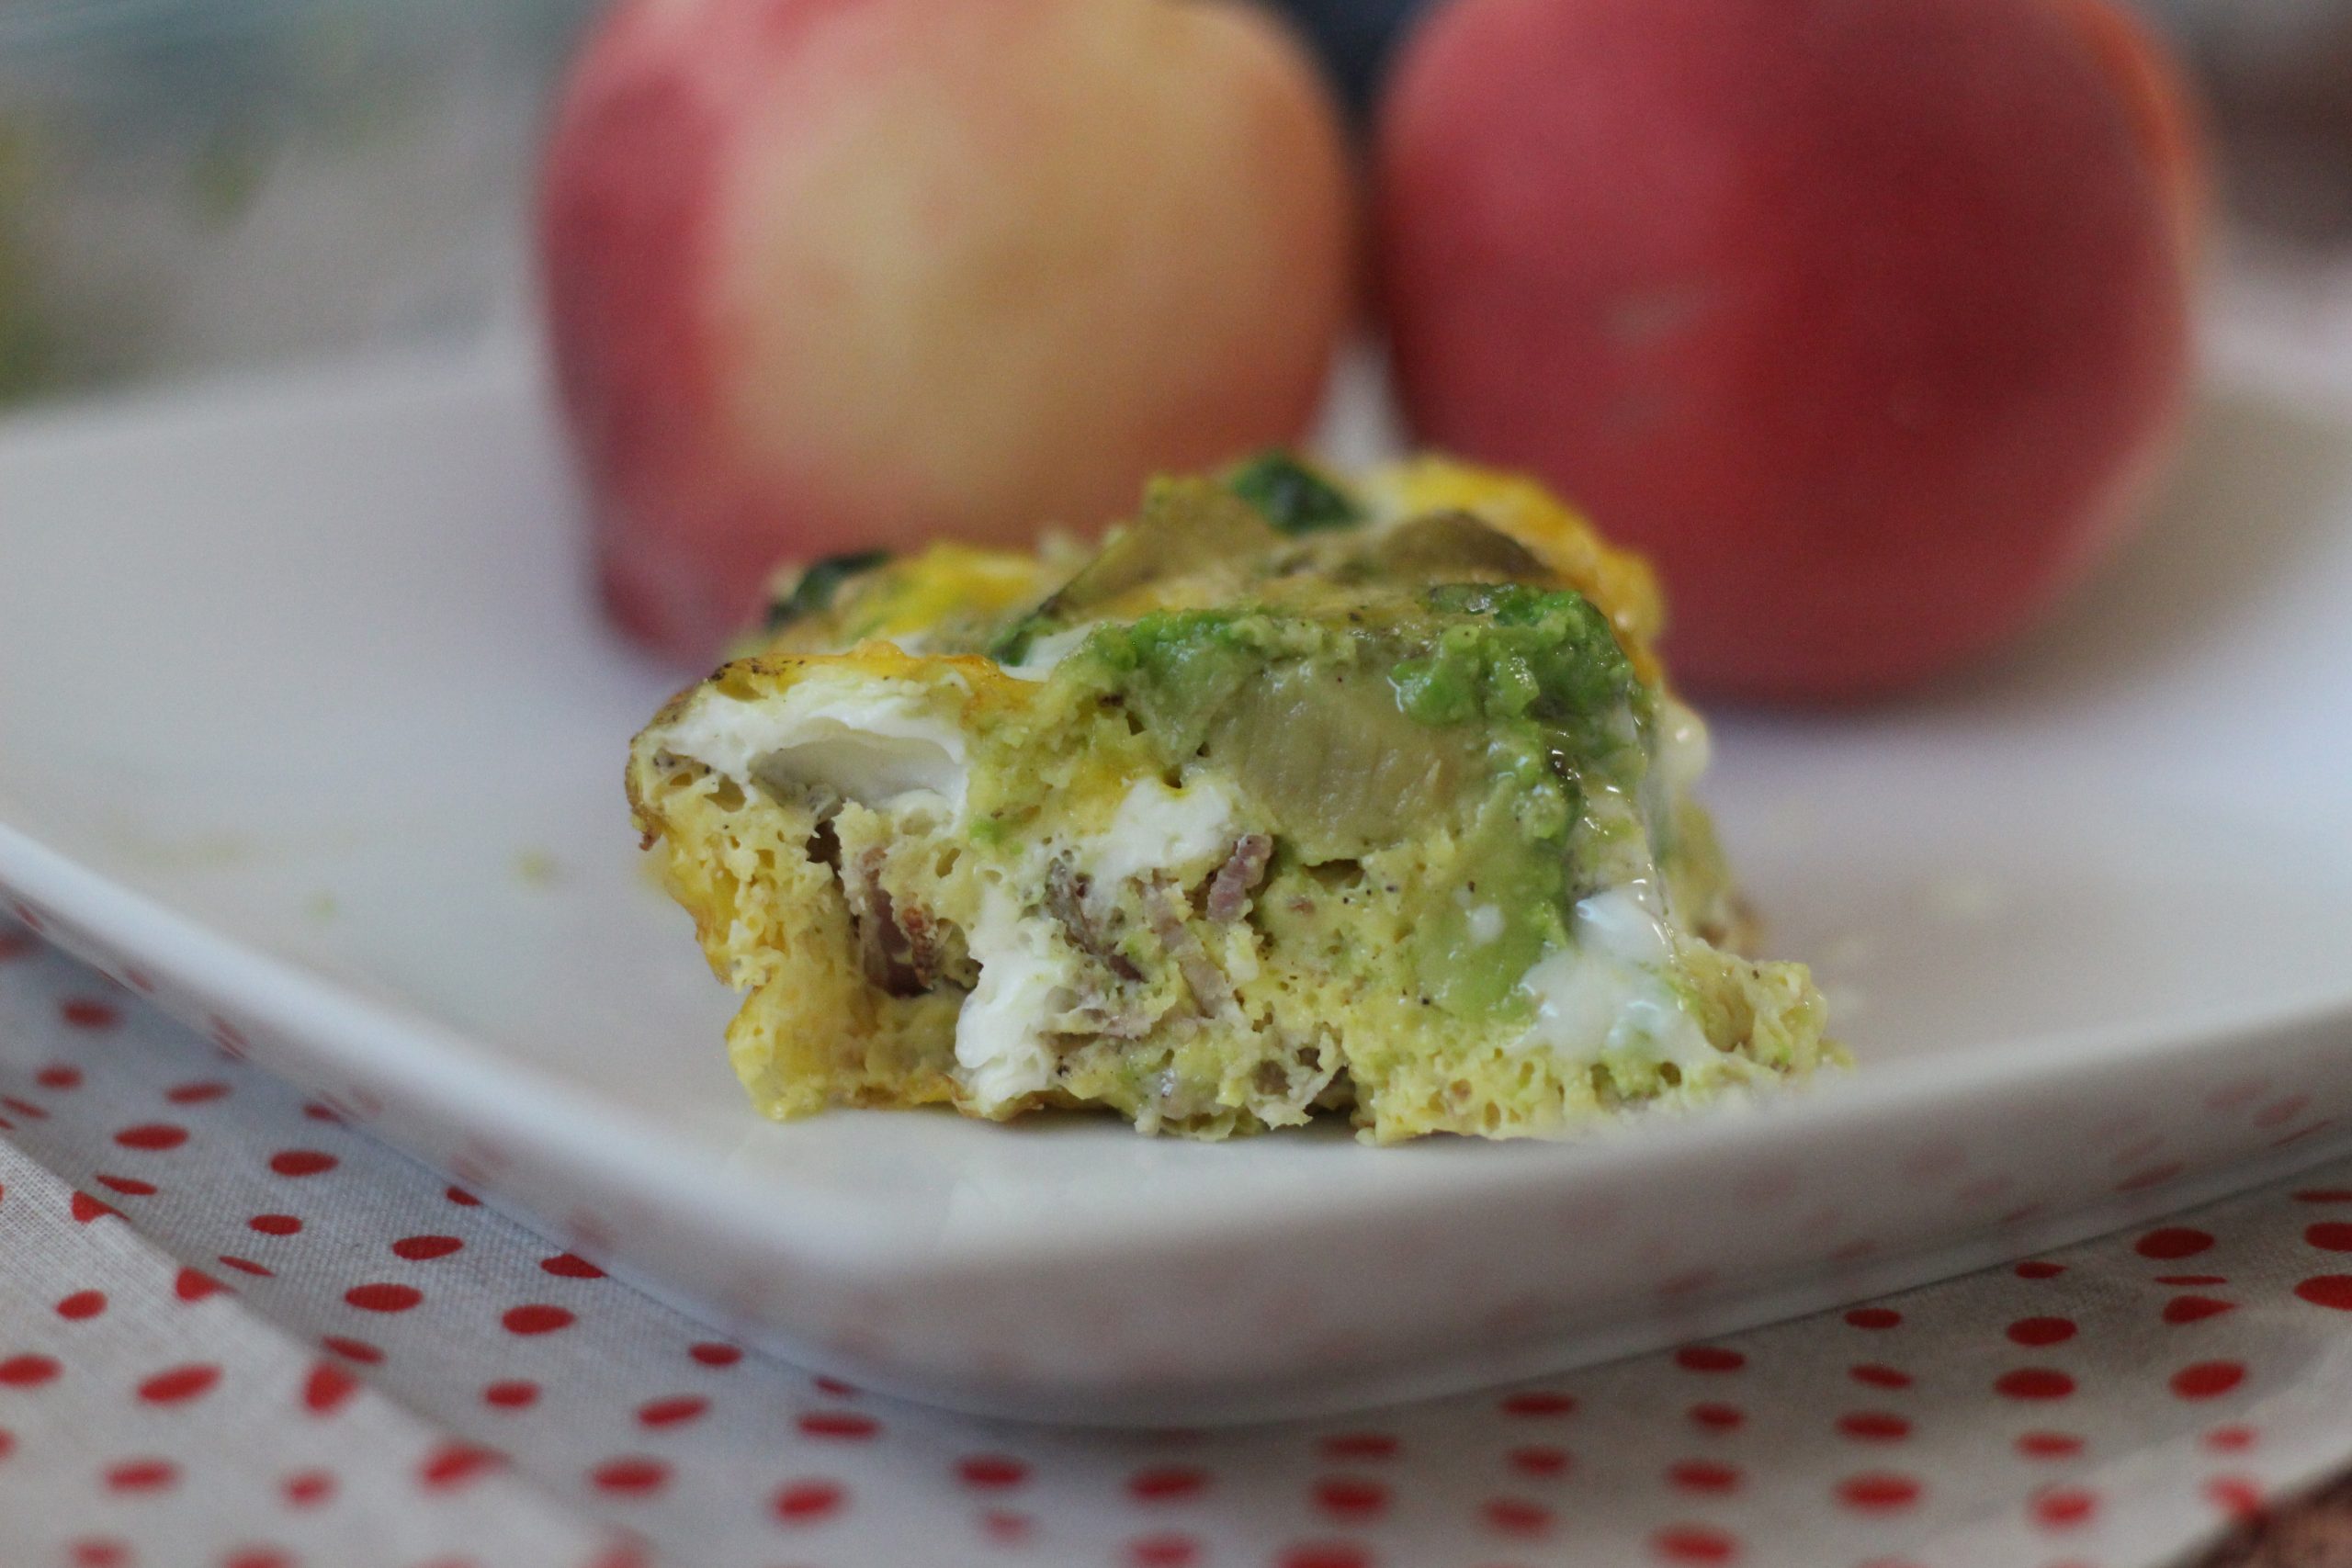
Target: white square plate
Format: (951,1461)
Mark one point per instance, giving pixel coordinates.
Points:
(307,727)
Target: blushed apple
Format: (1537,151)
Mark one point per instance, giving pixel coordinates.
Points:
(1868,320)
(833,274)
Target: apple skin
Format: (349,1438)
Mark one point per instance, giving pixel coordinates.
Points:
(1868,320)
(825,276)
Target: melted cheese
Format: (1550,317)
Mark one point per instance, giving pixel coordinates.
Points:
(1001,1052)
(874,742)
(1182,832)
(1609,987)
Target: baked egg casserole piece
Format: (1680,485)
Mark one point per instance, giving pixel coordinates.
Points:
(1293,796)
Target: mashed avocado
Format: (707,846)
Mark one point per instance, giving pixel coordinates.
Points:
(1475,709)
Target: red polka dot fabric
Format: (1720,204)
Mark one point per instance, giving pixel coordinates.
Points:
(234,1332)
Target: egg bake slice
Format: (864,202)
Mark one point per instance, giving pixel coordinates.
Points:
(1291,797)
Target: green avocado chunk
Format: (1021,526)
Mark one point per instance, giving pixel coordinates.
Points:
(1515,656)
(1478,930)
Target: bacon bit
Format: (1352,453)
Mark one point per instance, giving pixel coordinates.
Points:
(1230,888)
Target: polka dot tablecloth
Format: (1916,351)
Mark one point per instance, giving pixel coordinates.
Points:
(235,1332)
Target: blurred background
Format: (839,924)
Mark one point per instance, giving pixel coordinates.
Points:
(195,185)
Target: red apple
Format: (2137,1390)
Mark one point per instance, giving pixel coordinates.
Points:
(1867,319)
(829,275)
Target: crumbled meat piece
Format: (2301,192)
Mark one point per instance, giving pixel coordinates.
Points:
(1230,888)
(1066,891)
(1211,993)
(897,947)
(923,945)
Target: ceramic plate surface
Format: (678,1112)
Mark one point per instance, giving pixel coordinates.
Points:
(307,727)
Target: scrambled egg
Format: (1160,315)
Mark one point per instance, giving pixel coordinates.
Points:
(1294,797)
